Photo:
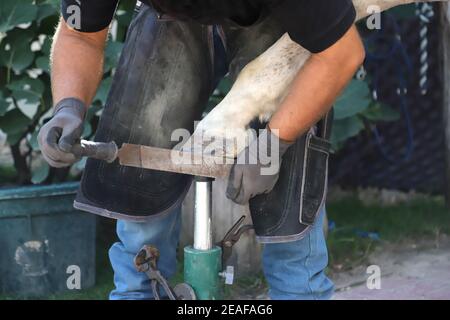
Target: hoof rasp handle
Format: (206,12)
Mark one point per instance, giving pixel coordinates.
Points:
(106,151)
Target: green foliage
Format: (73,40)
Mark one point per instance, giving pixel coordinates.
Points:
(13,13)
(354,110)
(345,129)
(354,100)
(40,173)
(14,122)
(26,30)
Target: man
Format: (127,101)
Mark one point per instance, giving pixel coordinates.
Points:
(169,66)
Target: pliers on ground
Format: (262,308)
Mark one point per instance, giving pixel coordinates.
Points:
(146,261)
(232,237)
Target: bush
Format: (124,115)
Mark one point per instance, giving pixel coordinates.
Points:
(26,29)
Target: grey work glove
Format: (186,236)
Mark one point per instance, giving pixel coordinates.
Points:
(57,137)
(257,168)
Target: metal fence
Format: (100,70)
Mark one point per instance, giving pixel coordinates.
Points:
(407,154)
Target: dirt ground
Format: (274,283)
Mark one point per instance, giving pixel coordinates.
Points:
(409,271)
(414,270)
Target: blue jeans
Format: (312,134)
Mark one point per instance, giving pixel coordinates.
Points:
(293,270)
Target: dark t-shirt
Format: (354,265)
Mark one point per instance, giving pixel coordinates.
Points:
(314,24)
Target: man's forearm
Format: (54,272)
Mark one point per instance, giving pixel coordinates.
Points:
(76,63)
(316,86)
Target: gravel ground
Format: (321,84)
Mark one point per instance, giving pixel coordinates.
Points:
(409,271)
(412,271)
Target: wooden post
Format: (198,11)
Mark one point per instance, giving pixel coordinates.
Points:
(445,23)
(247,252)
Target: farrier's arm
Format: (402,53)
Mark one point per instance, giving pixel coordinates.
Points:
(77,63)
(317,85)
(313,91)
(76,71)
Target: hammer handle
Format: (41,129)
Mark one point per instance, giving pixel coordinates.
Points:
(105,151)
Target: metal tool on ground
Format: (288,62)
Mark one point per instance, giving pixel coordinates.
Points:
(204,260)
(156,158)
(146,261)
(232,237)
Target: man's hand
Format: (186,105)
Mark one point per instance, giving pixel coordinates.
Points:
(57,137)
(257,168)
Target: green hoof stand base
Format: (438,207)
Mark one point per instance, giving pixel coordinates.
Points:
(201,272)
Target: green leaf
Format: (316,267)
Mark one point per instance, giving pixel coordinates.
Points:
(17,36)
(19,55)
(380,112)
(13,13)
(46,46)
(43,63)
(28,94)
(102,92)
(32,140)
(35,86)
(80,164)
(14,123)
(21,58)
(40,173)
(127,5)
(212,103)
(87,130)
(45,10)
(112,54)
(345,129)
(93,109)
(3,104)
(225,86)
(54,3)
(124,19)
(28,90)
(355,99)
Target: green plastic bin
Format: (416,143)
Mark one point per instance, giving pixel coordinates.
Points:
(46,246)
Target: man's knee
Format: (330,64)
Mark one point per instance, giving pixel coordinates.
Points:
(296,270)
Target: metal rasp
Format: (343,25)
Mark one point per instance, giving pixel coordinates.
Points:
(153,158)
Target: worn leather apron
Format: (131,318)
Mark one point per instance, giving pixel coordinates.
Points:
(166,73)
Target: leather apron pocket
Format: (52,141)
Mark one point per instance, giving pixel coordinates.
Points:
(288,212)
(315,176)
